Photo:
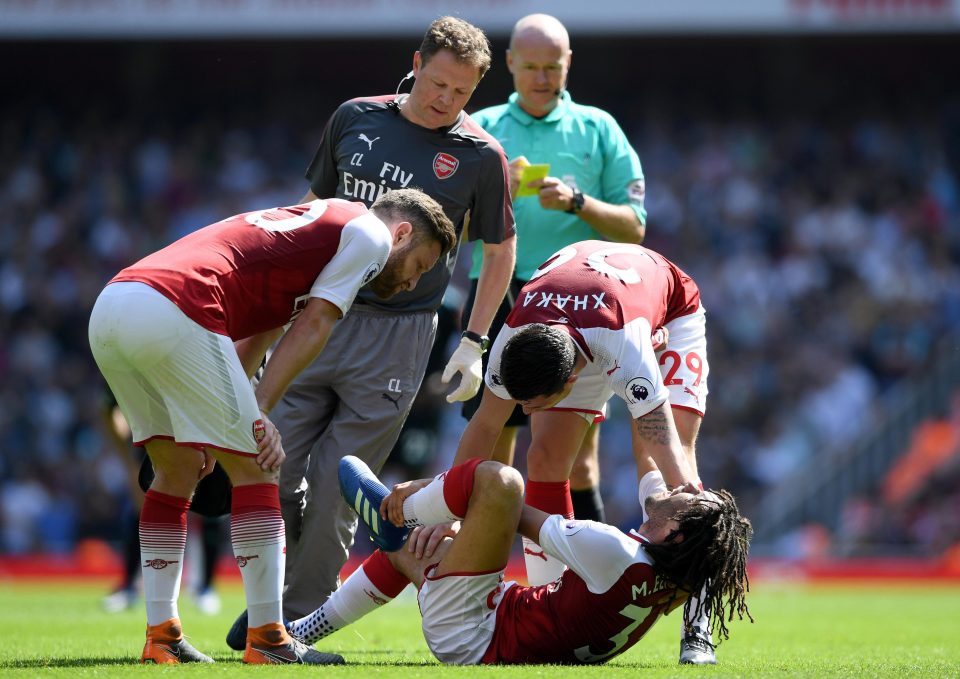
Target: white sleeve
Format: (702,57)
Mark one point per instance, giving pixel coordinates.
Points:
(596,552)
(638,380)
(652,482)
(492,378)
(365,244)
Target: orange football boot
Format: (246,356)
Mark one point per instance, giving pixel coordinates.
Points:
(167,646)
(271,645)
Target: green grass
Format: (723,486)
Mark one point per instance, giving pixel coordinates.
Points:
(58,629)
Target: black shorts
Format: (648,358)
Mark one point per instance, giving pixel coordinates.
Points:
(212,497)
(517,418)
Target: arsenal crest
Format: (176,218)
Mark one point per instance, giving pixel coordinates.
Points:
(444,165)
(259,431)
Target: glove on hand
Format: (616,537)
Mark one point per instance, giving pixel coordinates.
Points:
(466,361)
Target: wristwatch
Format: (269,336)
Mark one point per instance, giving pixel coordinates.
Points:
(482,340)
(576,202)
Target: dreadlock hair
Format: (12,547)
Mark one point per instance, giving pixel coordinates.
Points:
(712,557)
(537,361)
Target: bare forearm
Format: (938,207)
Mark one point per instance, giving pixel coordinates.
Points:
(483,430)
(477,441)
(495,275)
(252,349)
(658,437)
(617,223)
(302,343)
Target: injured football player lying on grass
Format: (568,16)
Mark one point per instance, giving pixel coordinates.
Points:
(462,526)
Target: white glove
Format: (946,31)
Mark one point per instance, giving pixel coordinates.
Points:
(466,361)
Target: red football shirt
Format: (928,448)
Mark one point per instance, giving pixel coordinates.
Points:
(601,606)
(255,271)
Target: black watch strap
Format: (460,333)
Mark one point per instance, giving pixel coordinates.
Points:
(576,202)
(482,340)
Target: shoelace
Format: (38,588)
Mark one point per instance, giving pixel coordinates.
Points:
(698,642)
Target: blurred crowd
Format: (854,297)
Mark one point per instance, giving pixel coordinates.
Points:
(828,256)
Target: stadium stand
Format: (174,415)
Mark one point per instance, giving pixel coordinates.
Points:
(826,247)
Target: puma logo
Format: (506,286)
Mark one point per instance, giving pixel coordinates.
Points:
(540,554)
(690,391)
(368,140)
(614,369)
(394,401)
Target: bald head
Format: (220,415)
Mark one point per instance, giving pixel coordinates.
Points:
(539,60)
(540,28)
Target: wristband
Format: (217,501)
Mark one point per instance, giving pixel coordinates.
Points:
(482,340)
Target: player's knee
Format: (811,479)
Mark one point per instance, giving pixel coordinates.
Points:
(544,465)
(585,473)
(499,480)
(176,470)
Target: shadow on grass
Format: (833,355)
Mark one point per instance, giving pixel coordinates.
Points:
(379,657)
(64,662)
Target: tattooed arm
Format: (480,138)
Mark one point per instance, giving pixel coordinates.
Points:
(656,436)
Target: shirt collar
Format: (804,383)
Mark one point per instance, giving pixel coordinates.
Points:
(526,119)
(398,102)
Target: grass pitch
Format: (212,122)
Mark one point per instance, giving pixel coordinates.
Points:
(56,629)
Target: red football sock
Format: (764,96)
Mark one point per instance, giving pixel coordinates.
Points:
(383,575)
(458,486)
(552,497)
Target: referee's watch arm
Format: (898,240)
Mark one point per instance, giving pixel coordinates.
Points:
(618,223)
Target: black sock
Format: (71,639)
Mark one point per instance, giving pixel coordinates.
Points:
(212,543)
(587,504)
(131,549)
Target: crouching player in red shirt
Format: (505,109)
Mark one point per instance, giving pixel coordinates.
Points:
(179,334)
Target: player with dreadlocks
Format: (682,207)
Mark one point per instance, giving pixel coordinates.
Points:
(616,587)
(712,556)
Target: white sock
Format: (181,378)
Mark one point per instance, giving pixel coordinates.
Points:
(701,622)
(541,568)
(163,536)
(652,482)
(256,531)
(427,506)
(356,597)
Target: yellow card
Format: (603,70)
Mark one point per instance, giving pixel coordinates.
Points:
(531,173)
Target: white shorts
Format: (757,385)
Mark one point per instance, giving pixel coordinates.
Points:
(683,366)
(172,378)
(459,614)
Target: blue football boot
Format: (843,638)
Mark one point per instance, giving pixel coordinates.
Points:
(362,490)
